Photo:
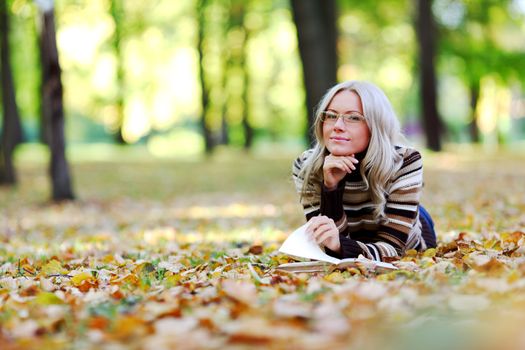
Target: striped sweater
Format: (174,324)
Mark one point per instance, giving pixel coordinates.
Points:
(351,207)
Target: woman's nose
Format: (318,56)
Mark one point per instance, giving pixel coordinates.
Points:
(339,124)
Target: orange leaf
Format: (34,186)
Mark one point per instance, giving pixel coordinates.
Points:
(127,326)
(98,322)
(84,281)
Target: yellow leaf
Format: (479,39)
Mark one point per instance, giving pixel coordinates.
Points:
(385,277)
(430,253)
(513,237)
(53,267)
(172,280)
(29,269)
(513,276)
(47,298)
(492,244)
(336,277)
(77,280)
(109,259)
(411,252)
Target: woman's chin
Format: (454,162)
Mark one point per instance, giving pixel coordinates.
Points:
(340,152)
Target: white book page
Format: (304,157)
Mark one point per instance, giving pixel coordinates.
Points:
(300,245)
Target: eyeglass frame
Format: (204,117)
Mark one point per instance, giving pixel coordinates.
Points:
(334,117)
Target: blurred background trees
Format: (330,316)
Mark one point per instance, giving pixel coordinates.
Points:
(187,77)
(316,23)
(11,134)
(52,117)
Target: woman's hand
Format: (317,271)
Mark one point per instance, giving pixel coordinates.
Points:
(324,232)
(336,167)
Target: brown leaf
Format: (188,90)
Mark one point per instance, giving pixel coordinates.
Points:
(446,248)
(256,249)
(483,263)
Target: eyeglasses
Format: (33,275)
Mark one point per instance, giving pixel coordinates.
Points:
(352,118)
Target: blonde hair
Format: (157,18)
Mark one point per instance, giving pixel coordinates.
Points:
(381,161)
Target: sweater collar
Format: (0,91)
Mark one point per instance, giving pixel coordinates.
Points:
(360,156)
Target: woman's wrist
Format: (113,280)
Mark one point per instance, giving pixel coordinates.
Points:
(329,186)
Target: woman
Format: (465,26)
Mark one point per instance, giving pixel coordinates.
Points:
(360,188)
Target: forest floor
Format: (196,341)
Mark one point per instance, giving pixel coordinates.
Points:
(157,254)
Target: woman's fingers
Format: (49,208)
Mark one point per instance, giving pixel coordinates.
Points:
(349,161)
(336,167)
(323,234)
(312,226)
(339,164)
(332,162)
(353,159)
(320,228)
(346,163)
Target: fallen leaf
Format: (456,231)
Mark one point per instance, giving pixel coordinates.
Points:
(47,298)
(242,291)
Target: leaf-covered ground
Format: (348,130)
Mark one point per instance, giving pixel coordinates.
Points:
(181,254)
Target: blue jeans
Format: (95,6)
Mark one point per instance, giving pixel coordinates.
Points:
(428,231)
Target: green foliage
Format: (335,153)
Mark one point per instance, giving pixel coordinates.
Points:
(477,39)
(25,60)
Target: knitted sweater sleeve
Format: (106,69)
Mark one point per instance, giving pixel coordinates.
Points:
(402,205)
(319,200)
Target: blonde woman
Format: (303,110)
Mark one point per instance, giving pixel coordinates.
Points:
(359,186)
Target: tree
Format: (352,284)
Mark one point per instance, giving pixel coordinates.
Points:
(226,65)
(205,92)
(317,36)
(239,10)
(478,39)
(52,104)
(117,13)
(11,128)
(426,40)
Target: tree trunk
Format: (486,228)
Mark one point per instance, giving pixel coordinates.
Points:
(11,127)
(317,37)
(206,132)
(473,125)
(117,12)
(246,126)
(53,109)
(226,56)
(426,38)
(224,136)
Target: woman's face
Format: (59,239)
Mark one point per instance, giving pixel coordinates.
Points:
(350,136)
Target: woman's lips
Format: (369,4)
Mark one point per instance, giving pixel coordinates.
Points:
(338,138)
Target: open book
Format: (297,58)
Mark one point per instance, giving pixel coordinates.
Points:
(298,244)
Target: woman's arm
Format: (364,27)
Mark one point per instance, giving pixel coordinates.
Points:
(329,201)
